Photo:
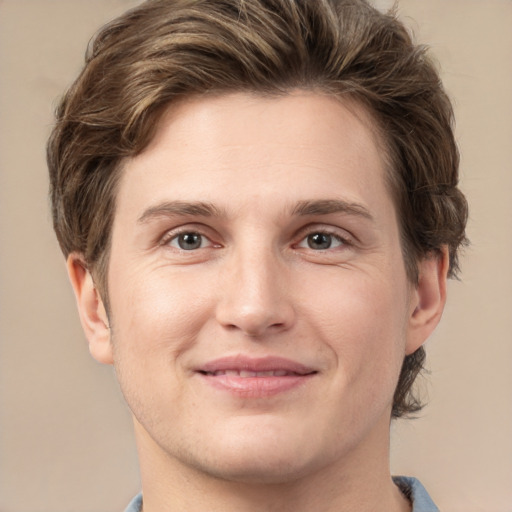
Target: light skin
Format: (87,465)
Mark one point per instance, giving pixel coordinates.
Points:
(259,235)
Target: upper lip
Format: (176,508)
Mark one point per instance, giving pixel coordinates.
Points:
(255,364)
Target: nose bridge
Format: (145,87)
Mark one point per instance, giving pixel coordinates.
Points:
(254,292)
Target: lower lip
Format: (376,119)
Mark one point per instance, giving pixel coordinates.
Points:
(256,387)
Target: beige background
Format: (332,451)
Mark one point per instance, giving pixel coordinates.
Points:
(65,435)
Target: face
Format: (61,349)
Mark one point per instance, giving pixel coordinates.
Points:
(260,310)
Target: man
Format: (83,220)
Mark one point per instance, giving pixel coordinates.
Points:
(259,208)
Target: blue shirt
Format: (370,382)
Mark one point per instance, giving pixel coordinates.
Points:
(411,487)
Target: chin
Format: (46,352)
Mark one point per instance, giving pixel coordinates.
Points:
(260,456)
(246,470)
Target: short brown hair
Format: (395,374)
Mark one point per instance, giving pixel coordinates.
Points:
(164,50)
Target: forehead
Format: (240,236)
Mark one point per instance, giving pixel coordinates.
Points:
(244,138)
(249,153)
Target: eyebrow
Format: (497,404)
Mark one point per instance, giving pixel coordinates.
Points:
(203,209)
(177,208)
(328,206)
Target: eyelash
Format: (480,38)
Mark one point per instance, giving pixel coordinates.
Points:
(333,237)
(304,235)
(175,234)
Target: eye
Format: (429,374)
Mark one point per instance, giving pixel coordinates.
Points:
(189,241)
(321,241)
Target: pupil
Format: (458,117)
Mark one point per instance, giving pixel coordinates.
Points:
(319,241)
(189,241)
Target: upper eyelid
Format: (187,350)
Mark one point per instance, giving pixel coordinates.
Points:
(209,232)
(336,231)
(172,233)
(345,242)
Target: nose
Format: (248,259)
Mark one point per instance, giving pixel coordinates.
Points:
(255,296)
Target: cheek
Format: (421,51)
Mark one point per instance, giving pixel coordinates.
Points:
(157,311)
(155,323)
(364,324)
(155,320)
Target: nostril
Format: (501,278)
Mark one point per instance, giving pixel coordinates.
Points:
(254,313)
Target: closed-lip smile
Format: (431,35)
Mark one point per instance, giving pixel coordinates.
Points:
(252,377)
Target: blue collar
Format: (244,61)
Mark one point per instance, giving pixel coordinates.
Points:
(411,488)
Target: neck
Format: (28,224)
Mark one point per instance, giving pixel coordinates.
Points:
(361,482)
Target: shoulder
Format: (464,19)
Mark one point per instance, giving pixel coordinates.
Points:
(412,488)
(135,505)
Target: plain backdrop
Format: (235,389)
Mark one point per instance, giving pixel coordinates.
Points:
(66,443)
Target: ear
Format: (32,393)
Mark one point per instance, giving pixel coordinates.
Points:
(428,299)
(92,312)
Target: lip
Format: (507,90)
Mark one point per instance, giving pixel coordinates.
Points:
(255,377)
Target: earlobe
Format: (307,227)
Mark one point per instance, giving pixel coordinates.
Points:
(91,309)
(428,299)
